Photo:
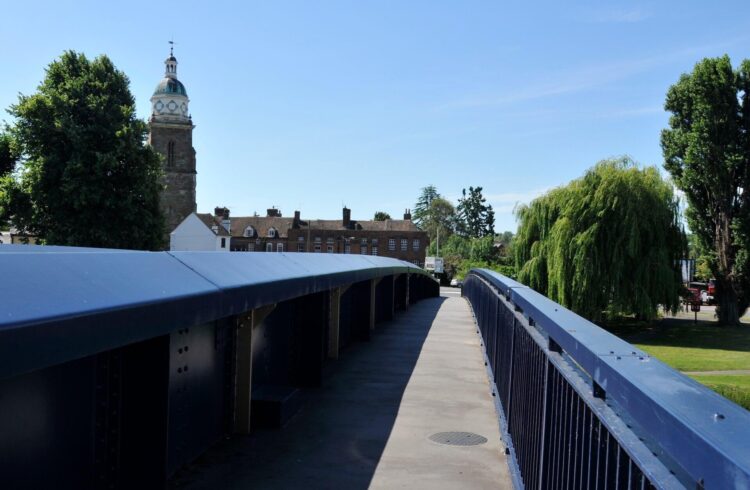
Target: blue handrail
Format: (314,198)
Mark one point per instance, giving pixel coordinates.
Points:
(694,432)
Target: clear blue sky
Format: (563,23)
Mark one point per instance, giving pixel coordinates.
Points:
(308,105)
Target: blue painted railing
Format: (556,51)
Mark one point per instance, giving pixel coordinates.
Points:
(581,408)
(117,368)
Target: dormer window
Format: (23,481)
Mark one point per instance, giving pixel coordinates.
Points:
(249,232)
(272,233)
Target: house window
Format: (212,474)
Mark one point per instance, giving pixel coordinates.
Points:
(374,241)
(272,232)
(374,250)
(329,240)
(223,243)
(329,249)
(257,241)
(300,239)
(279,247)
(300,247)
(363,249)
(249,232)
(317,239)
(363,242)
(404,244)
(170,154)
(317,248)
(347,248)
(391,244)
(251,247)
(269,247)
(415,244)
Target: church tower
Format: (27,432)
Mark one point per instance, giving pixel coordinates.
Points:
(171,134)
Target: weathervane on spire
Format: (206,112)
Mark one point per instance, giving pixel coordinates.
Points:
(171,47)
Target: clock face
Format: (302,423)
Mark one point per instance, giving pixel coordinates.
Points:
(172,106)
(183,109)
(159,106)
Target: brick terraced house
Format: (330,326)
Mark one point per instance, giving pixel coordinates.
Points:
(399,239)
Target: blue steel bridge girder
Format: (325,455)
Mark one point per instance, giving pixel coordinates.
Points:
(118,368)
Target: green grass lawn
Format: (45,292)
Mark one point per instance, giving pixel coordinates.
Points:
(688,347)
(736,387)
(702,347)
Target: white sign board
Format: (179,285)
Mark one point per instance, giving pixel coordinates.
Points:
(434,264)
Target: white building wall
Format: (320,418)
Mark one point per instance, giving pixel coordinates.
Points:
(193,235)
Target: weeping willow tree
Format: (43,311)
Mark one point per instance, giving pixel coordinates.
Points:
(606,244)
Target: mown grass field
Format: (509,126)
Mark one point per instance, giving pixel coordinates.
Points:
(704,346)
(736,387)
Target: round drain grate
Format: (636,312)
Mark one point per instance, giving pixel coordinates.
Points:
(458,438)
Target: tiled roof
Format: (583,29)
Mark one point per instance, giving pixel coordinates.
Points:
(367,225)
(261,224)
(210,221)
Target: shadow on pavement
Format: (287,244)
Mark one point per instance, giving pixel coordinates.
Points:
(338,437)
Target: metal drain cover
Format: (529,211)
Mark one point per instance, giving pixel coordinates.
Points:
(458,438)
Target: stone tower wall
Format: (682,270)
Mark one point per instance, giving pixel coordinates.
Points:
(178,195)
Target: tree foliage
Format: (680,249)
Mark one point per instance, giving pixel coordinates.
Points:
(422,207)
(381,216)
(707,151)
(86,177)
(439,220)
(475,218)
(460,254)
(8,154)
(605,244)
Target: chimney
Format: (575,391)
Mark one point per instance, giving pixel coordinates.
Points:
(347,217)
(222,213)
(407,214)
(295,222)
(273,213)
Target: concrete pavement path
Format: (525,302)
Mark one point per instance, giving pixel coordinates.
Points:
(369,425)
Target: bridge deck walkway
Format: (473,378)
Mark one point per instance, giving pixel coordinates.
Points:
(368,426)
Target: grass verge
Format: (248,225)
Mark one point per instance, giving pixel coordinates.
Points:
(704,346)
(736,387)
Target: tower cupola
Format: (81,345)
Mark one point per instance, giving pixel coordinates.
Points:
(170,100)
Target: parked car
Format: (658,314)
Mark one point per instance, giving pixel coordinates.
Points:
(456,283)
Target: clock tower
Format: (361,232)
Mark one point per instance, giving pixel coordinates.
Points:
(171,134)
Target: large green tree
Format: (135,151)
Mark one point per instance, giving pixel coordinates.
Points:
(440,220)
(381,216)
(86,176)
(707,151)
(475,217)
(8,154)
(422,207)
(607,243)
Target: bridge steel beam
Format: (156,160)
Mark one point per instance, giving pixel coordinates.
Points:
(118,368)
(334,320)
(373,303)
(246,323)
(580,408)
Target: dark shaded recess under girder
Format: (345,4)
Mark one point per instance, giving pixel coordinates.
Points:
(87,402)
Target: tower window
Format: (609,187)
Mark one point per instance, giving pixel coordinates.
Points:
(170,154)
